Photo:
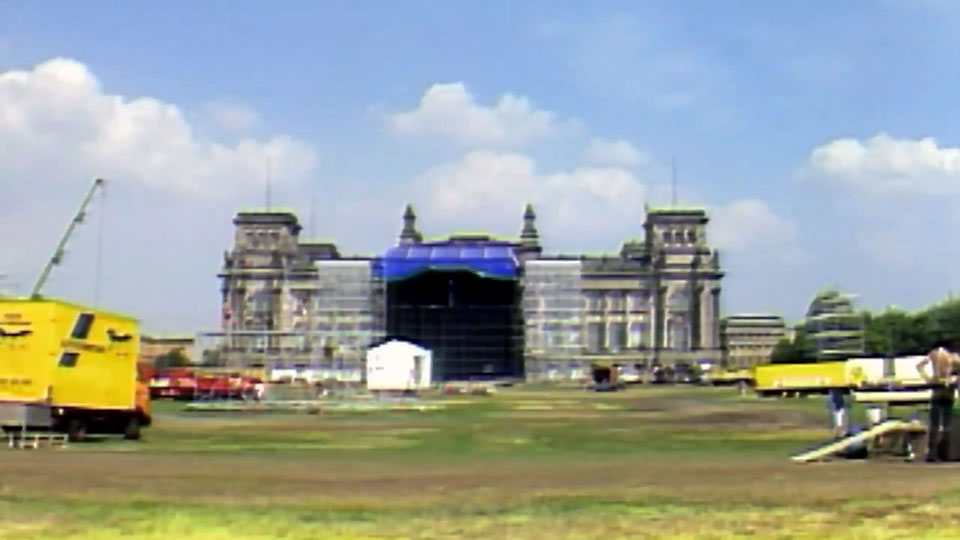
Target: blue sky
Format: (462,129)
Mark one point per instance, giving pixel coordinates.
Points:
(822,136)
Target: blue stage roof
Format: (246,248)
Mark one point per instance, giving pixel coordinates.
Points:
(488,259)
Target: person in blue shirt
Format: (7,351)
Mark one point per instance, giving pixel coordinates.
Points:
(837,405)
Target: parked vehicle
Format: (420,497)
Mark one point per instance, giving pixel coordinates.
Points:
(70,368)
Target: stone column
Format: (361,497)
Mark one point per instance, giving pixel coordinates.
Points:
(697,334)
(706,318)
(659,334)
(715,292)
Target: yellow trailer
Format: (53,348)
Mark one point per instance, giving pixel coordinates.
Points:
(70,368)
(813,377)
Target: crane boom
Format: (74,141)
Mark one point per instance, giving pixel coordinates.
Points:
(58,253)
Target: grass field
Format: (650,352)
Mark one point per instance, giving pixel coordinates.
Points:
(645,463)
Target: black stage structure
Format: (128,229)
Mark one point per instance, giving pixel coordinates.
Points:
(462,300)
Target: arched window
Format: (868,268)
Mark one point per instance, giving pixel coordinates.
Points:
(679,300)
(260,300)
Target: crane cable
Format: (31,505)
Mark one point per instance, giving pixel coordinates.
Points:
(97,271)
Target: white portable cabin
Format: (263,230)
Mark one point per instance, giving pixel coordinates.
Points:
(399,366)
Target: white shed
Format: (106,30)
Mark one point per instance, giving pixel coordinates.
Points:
(398,365)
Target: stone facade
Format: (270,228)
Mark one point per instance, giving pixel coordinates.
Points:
(657,302)
(749,340)
(273,294)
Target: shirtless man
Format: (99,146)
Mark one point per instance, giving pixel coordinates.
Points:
(942,364)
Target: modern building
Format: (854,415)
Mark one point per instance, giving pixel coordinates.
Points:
(487,307)
(749,340)
(834,328)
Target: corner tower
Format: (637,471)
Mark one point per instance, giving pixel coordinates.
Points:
(410,234)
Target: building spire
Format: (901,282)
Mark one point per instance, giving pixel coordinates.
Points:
(410,234)
(529,235)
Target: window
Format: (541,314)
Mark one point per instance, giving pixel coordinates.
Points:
(81,330)
(68,359)
(594,302)
(637,335)
(615,301)
(617,336)
(692,236)
(594,337)
(638,300)
(679,300)
(678,334)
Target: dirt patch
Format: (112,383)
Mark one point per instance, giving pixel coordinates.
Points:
(62,474)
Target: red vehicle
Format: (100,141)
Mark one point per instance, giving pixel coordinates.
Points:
(175,383)
(185,384)
(226,386)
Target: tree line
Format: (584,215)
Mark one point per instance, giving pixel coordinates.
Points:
(892,332)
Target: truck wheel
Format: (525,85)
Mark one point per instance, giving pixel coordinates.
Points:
(76,430)
(132,431)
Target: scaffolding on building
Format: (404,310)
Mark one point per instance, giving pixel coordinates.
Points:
(314,329)
(346,317)
(554,319)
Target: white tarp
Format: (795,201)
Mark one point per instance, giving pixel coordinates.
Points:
(398,365)
(902,371)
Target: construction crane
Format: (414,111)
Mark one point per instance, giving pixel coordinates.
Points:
(58,253)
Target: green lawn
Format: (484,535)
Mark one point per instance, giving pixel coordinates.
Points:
(646,463)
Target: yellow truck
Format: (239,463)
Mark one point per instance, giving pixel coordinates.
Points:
(773,379)
(70,368)
(856,373)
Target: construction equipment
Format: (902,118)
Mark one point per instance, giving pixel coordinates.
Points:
(57,256)
(69,368)
(66,367)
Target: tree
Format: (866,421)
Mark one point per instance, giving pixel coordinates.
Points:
(793,352)
(783,353)
(889,333)
(892,332)
(172,359)
(896,332)
(213,358)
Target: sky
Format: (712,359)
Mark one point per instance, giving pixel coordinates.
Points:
(822,137)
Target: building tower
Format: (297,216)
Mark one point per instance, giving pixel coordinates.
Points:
(529,236)
(410,234)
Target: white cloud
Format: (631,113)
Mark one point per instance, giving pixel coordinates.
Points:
(170,197)
(884,164)
(232,117)
(586,208)
(750,225)
(620,153)
(57,112)
(449,111)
